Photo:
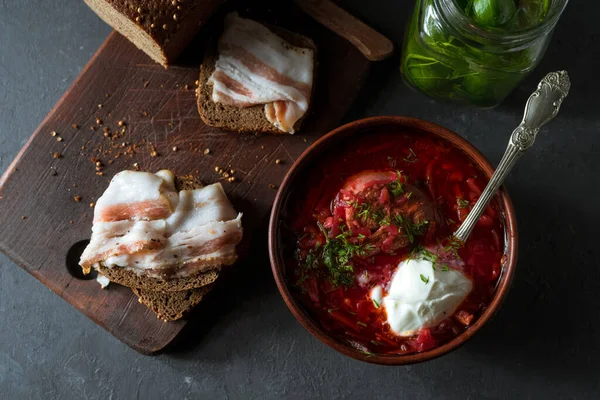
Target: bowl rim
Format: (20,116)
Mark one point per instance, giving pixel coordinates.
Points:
(278,264)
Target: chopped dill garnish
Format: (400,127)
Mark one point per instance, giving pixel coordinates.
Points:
(462,203)
(376,303)
(424,279)
(411,157)
(411,230)
(361,324)
(396,187)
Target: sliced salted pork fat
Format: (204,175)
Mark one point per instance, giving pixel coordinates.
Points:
(255,66)
(143,224)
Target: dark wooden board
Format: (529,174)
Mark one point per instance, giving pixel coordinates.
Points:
(39,219)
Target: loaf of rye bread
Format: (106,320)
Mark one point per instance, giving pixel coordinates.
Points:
(160,28)
(207,275)
(243,119)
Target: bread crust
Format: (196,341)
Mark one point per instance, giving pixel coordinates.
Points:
(160,28)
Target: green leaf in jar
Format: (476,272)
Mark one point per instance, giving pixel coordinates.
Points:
(529,13)
(492,13)
(428,74)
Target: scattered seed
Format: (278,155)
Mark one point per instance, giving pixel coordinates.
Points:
(56,155)
(98,163)
(77,198)
(99,173)
(174,148)
(197,82)
(75,126)
(217,168)
(23,217)
(278,161)
(98,121)
(53,133)
(121,123)
(226,175)
(165,26)
(231,171)
(271,186)
(206,151)
(92,205)
(106,134)
(231,179)
(99,105)
(71,222)
(153,153)
(59,139)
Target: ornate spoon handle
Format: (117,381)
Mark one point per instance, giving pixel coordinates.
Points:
(541,107)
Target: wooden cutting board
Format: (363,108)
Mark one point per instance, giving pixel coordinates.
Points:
(44,228)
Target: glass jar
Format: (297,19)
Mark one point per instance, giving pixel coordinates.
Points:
(447,56)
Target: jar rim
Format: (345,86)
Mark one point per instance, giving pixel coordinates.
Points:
(452,10)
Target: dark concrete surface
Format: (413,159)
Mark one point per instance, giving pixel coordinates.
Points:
(542,344)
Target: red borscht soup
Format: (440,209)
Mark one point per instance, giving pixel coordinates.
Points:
(385,203)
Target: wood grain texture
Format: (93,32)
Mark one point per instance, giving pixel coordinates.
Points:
(41,221)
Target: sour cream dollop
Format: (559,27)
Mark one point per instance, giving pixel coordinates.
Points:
(420,296)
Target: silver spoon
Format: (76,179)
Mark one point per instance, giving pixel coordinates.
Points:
(542,106)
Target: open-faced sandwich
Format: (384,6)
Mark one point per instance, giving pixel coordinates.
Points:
(256,78)
(167,245)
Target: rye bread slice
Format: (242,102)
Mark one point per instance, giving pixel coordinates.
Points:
(206,275)
(170,306)
(135,281)
(160,28)
(247,119)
